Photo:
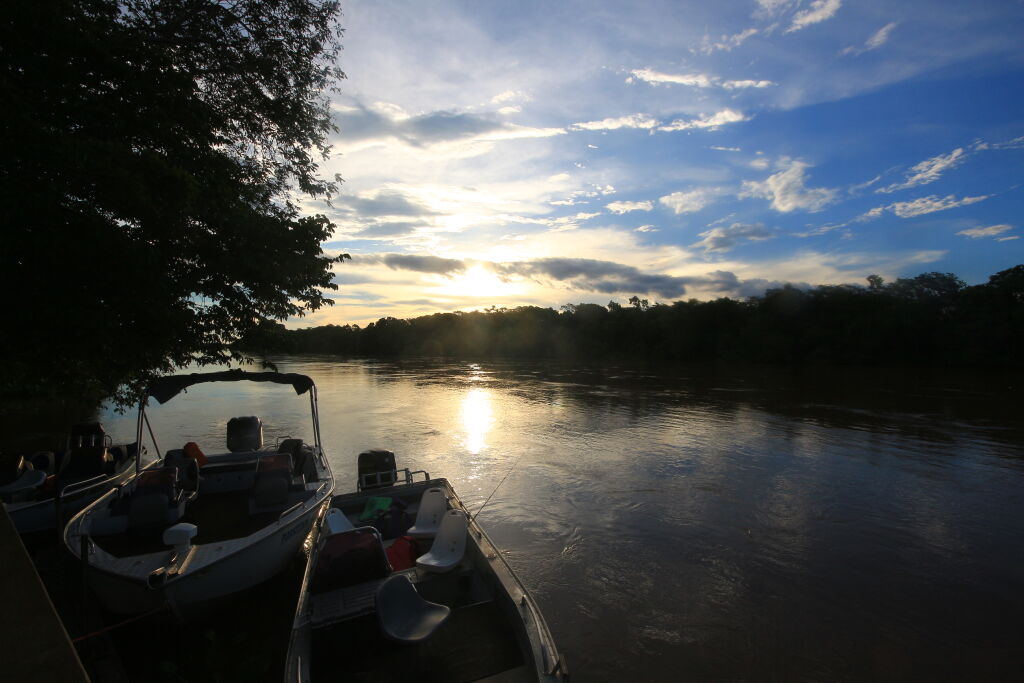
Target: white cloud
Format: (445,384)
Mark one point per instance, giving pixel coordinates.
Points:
(854,189)
(990,231)
(736,85)
(651,76)
(1007,239)
(509,96)
(725,149)
(877,40)
(688,202)
(626,207)
(1016,143)
(928,171)
(880,37)
(930,204)
(632,121)
(819,11)
(707,121)
(787,189)
(722,239)
(772,5)
(727,42)
(694,80)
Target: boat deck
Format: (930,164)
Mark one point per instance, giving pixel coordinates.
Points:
(477,641)
(217,516)
(483,638)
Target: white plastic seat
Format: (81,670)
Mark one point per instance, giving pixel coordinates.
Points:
(403,615)
(449,544)
(433,504)
(336,522)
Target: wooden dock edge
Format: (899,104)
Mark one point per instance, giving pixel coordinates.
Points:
(37,647)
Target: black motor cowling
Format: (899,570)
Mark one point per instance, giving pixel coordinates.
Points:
(245,434)
(379,464)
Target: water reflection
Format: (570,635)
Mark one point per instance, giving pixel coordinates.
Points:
(477,419)
(728,528)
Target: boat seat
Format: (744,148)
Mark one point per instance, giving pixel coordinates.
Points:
(336,522)
(433,504)
(29,481)
(45,461)
(300,453)
(449,544)
(273,481)
(155,502)
(348,558)
(403,615)
(188,468)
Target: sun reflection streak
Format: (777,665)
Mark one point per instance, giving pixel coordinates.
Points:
(477,419)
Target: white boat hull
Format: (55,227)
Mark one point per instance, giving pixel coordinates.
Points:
(38,516)
(190,595)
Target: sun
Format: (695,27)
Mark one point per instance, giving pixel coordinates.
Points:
(478,281)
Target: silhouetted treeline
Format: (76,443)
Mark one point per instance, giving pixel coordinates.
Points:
(933,318)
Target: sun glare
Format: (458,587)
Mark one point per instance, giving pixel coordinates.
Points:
(480,282)
(477,419)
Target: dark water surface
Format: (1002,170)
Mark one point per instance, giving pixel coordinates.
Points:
(705,526)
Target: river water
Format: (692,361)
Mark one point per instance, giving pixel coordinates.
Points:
(704,525)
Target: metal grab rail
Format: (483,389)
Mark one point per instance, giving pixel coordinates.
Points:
(287,512)
(302,503)
(364,479)
(80,486)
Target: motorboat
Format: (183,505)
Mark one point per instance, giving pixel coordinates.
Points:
(43,489)
(402,584)
(193,527)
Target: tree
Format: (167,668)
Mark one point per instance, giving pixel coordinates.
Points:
(152,150)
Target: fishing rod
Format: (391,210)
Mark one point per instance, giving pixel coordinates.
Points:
(477,513)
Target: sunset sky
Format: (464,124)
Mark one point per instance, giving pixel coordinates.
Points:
(544,153)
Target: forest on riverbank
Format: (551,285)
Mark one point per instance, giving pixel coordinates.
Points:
(933,318)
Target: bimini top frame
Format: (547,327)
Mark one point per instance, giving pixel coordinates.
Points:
(163,389)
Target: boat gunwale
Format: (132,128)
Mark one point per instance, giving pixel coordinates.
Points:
(196,564)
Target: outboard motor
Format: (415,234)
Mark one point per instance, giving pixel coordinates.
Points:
(379,464)
(245,434)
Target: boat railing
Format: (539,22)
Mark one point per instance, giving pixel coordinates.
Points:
(298,506)
(77,487)
(80,486)
(372,480)
(302,503)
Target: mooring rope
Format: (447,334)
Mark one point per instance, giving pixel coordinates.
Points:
(100,632)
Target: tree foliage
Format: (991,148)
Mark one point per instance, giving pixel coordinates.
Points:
(933,318)
(151,153)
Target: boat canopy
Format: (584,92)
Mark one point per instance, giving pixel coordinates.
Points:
(163,389)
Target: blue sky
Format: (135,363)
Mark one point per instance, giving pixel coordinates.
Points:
(505,154)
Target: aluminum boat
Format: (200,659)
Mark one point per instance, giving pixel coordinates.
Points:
(402,584)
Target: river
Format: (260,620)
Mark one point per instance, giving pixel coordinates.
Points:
(704,525)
